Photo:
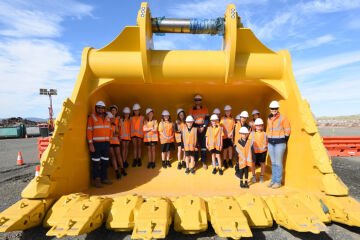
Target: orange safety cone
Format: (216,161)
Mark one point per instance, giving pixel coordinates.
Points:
(37,170)
(20,160)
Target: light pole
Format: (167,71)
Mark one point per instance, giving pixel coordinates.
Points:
(49,92)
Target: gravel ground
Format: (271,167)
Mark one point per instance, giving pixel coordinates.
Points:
(13,179)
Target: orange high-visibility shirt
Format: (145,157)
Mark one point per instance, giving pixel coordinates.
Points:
(180,127)
(166,131)
(98,128)
(115,130)
(199,114)
(214,136)
(278,127)
(189,138)
(237,129)
(137,123)
(244,153)
(228,124)
(125,129)
(152,135)
(260,141)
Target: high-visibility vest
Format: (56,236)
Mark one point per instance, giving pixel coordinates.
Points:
(228,124)
(214,136)
(237,129)
(137,123)
(151,136)
(278,127)
(260,141)
(244,153)
(166,131)
(189,138)
(125,129)
(180,127)
(115,127)
(98,128)
(199,114)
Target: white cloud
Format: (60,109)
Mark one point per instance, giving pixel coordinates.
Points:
(312,43)
(319,65)
(328,6)
(30,57)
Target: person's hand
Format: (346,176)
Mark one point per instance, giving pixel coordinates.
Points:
(230,135)
(196,149)
(91,147)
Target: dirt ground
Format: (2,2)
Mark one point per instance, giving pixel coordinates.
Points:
(14,178)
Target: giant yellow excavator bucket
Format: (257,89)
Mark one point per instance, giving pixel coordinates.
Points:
(245,74)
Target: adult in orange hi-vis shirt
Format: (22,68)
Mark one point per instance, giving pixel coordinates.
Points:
(98,136)
(201,116)
(278,132)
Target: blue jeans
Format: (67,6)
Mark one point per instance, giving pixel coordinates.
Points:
(276,153)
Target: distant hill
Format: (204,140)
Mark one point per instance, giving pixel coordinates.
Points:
(348,117)
(35,119)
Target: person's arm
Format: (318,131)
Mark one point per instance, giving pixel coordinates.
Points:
(207,138)
(287,128)
(222,134)
(89,134)
(146,128)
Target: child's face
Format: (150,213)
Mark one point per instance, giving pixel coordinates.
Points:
(189,124)
(127,115)
(137,112)
(259,127)
(213,123)
(227,113)
(243,120)
(113,111)
(150,114)
(243,136)
(166,118)
(181,115)
(256,116)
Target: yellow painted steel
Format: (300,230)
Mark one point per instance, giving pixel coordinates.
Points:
(123,212)
(291,213)
(153,220)
(24,214)
(243,73)
(227,218)
(256,211)
(190,215)
(76,215)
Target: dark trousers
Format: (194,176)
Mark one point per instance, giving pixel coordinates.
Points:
(201,138)
(100,160)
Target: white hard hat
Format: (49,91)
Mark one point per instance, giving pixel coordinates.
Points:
(198,96)
(189,119)
(110,115)
(244,114)
(216,111)
(237,117)
(165,113)
(148,110)
(227,108)
(126,110)
(255,111)
(244,130)
(100,104)
(179,111)
(259,121)
(274,104)
(214,117)
(136,107)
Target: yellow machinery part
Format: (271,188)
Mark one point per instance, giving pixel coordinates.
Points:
(292,214)
(190,215)
(24,214)
(245,74)
(344,210)
(227,218)
(123,212)
(153,220)
(77,214)
(256,211)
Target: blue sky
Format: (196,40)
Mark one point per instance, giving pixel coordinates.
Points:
(41,43)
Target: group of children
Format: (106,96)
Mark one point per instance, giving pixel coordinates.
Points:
(223,135)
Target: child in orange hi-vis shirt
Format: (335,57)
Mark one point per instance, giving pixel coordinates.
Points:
(125,135)
(260,143)
(189,136)
(151,136)
(179,125)
(228,124)
(166,132)
(244,149)
(214,137)
(137,133)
